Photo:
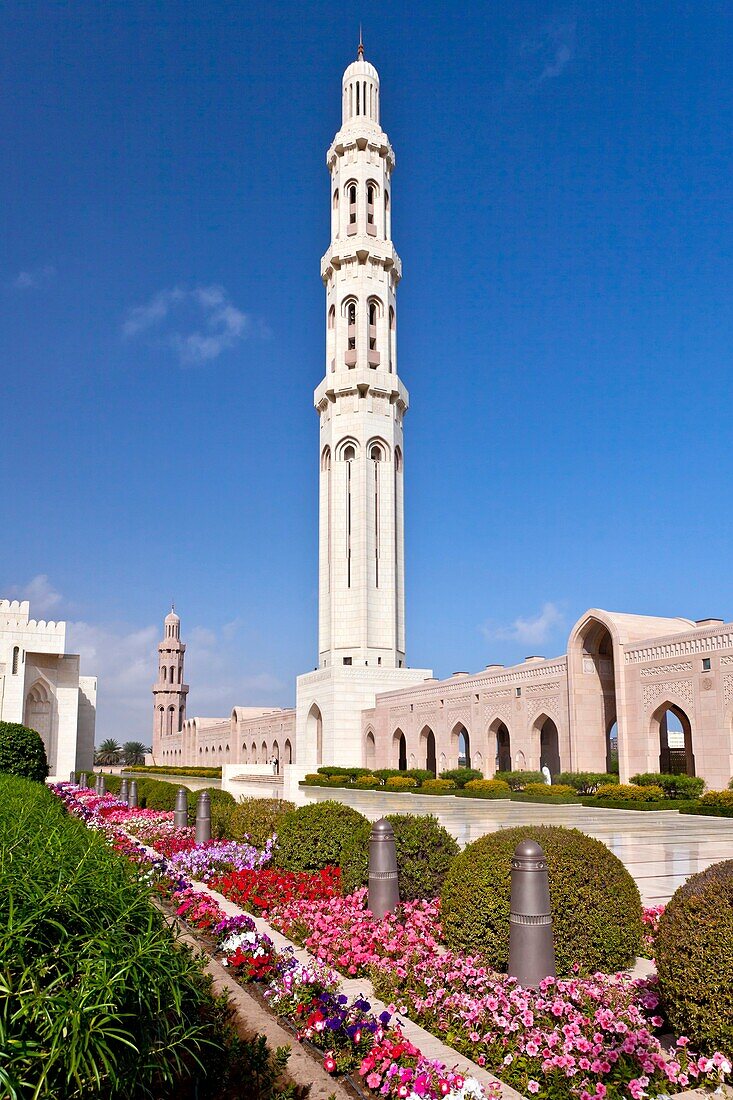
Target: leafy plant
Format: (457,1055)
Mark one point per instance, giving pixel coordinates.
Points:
(694,954)
(134,752)
(258,818)
(596,908)
(424,850)
(629,792)
(712,804)
(313,836)
(22,752)
(109,752)
(97,999)
(461,776)
(585,782)
(549,790)
(487,788)
(519,780)
(437,786)
(400,783)
(673,786)
(367,783)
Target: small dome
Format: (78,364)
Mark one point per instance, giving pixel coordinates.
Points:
(360,67)
(171,617)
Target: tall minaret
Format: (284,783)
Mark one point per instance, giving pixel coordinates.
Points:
(169,693)
(361,402)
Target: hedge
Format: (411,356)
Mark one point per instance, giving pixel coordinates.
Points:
(22,752)
(612,804)
(550,790)
(438,786)
(424,849)
(158,769)
(313,836)
(461,776)
(546,799)
(596,907)
(519,780)
(694,955)
(97,999)
(712,804)
(487,788)
(401,783)
(628,792)
(585,782)
(674,786)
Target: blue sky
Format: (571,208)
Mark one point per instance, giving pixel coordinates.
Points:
(562,206)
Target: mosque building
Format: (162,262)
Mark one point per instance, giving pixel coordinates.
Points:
(657,693)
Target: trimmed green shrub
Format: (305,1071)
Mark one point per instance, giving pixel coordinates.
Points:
(585,782)
(694,954)
(664,804)
(257,818)
(545,798)
(97,999)
(596,908)
(367,783)
(488,788)
(313,836)
(158,769)
(712,804)
(461,776)
(401,783)
(22,752)
(424,851)
(519,780)
(629,792)
(549,790)
(312,778)
(730,784)
(437,786)
(421,774)
(674,786)
(348,773)
(387,773)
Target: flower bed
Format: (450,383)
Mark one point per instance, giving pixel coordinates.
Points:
(588,1038)
(350,1037)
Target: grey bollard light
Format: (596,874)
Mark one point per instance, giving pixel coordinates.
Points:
(98,783)
(132,794)
(531,947)
(124,790)
(72,777)
(102,785)
(384,891)
(83,781)
(180,816)
(203,818)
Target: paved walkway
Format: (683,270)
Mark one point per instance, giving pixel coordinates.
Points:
(661,848)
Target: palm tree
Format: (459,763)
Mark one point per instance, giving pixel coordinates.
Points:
(109,752)
(134,752)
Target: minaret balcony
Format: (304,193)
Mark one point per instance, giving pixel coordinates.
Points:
(365,380)
(373,359)
(350,358)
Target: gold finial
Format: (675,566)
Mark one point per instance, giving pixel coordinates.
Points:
(360,50)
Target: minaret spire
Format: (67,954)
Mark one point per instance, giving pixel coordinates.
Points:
(361,401)
(169,690)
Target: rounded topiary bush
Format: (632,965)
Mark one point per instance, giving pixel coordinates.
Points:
(694,953)
(401,783)
(488,788)
(367,783)
(629,792)
(22,752)
(437,786)
(425,851)
(258,819)
(596,908)
(314,836)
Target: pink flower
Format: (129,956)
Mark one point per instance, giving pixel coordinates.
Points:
(533,1086)
(374,1080)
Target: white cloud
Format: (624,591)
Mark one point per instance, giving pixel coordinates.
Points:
(552,49)
(44,599)
(34,278)
(532,631)
(197,324)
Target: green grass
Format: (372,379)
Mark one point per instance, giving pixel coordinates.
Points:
(155,769)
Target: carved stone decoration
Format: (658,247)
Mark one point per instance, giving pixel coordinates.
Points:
(665,670)
(728,689)
(536,689)
(707,683)
(549,705)
(682,689)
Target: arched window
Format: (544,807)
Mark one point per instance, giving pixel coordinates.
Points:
(180,718)
(372,319)
(352,208)
(371,198)
(180,674)
(358,98)
(376,456)
(350,357)
(164,674)
(16,659)
(173,675)
(331,337)
(171,718)
(392,339)
(387,224)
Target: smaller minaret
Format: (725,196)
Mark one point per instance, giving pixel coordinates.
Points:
(169,693)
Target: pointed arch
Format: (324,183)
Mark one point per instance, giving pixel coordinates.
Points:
(674,759)
(399,750)
(370,750)
(314,732)
(545,730)
(288,751)
(460,746)
(500,738)
(427,750)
